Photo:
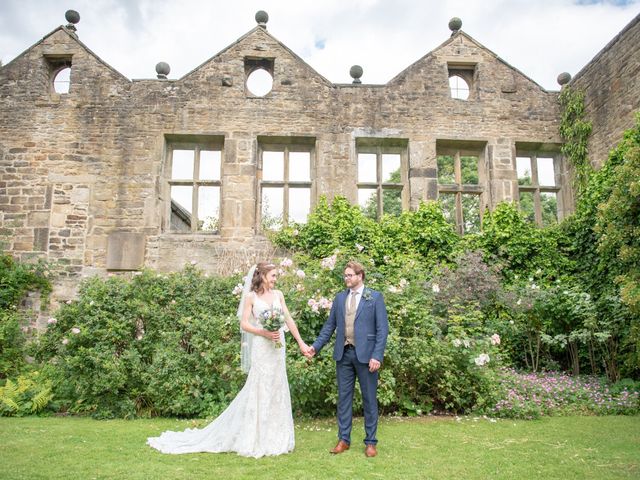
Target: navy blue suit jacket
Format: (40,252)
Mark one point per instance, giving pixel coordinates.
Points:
(370,327)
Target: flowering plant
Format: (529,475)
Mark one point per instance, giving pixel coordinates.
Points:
(367,294)
(316,305)
(329,263)
(272,320)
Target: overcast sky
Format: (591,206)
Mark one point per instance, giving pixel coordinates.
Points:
(539,37)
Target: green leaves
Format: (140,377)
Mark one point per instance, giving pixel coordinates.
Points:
(602,239)
(149,345)
(423,234)
(27,395)
(575,131)
(618,220)
(17,278)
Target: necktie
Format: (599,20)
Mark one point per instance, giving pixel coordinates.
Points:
(350,317)
(352,302)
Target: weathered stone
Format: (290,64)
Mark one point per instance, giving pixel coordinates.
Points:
(125,251)
(41,240)
(38,218)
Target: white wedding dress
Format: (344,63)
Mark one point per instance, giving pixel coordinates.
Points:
(259,421)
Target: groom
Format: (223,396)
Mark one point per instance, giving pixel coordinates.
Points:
(359,318)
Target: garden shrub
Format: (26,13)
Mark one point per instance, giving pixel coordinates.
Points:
(618,220)
(518,246)
(342,227)
(153,345)
(603,242)
(167,344)
(12,340)
(16,279)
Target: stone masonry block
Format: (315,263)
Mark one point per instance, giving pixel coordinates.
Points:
(125,251)
(38,219)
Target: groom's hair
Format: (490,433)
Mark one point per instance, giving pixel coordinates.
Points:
(357,268)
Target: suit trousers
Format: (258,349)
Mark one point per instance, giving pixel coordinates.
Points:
(347,369)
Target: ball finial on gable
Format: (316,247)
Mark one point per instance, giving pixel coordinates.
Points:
(262,18)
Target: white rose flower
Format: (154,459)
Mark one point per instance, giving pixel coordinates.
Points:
(481,359)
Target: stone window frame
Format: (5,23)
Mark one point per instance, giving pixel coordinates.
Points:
(380,146)
(459,149)
(197,143)
(56,63)
(533,153)
(285,144)
(253,64)
(467,72)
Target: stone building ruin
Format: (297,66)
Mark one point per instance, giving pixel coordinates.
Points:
(99,173)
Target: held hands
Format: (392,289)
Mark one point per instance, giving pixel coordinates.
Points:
(307,351)
(304,348)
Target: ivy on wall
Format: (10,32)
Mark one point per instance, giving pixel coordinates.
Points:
(575,131)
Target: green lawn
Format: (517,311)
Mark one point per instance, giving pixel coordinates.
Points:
(443,448)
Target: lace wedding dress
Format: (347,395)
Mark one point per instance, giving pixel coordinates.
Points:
(259,421)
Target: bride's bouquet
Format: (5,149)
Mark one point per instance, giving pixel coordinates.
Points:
(273,320)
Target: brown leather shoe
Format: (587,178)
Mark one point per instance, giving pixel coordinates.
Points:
(370,451)
(341,446)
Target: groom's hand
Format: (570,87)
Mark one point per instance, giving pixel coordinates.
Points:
(304,348)
(310,353)
(374,365)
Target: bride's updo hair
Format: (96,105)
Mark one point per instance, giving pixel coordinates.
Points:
(257,282)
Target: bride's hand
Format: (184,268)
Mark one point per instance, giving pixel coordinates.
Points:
(273,336)
(304,348)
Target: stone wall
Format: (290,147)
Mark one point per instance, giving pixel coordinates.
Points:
(612,90)
(84,175)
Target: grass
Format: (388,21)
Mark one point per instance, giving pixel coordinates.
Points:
(422,448)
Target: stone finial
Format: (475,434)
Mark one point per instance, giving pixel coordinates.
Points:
(162,69)
(72,17)
(455,24)
(262,18)
(564,78)
(356,72)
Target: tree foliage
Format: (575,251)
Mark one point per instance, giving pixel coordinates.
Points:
(603,241)
(618,219)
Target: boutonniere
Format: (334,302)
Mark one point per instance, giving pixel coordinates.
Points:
(367,294)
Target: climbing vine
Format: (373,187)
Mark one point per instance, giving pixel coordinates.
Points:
(575,131)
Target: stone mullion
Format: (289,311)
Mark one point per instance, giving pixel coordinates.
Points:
(404,178)
(560,192)
(537,207)
(194,192)
(379,181)
(457,174)
(459,219)
(285,190)
(457,168)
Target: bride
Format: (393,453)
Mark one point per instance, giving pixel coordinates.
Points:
(258,421)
